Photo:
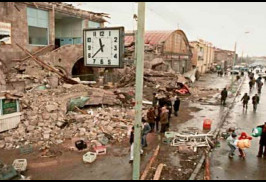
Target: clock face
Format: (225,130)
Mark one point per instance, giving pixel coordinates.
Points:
(102,47)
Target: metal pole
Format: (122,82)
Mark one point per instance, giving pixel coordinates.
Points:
(234,61)
(139,89)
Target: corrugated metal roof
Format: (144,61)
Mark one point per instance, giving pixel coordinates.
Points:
(151,37)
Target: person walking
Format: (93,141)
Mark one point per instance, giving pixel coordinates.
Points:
(224,95)
(245,100)
(146,129)
(231,142)
(262,142)
(255,102)
(151,117)
(243,136)
(164,119)
(260,84)
(177,106)
(250,85)
(131,141)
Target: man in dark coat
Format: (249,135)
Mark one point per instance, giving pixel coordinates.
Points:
(245,100)
(177,106)
(262,141)
(255,101)
(224,95)
(170,109)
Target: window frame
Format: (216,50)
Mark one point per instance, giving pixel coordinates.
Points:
(48,29)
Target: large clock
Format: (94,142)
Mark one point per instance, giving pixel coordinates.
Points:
(104,47)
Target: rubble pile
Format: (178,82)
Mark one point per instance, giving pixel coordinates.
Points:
(46,120)
(152,78)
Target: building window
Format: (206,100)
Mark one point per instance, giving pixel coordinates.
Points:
(93,24)
(38,26)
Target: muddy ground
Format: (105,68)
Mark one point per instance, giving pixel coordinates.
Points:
(115,165)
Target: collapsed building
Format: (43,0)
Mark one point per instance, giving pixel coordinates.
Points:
(164,50)
(52,31)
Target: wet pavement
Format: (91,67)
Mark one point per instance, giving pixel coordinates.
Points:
(252,168)
(114,165)
(213,112)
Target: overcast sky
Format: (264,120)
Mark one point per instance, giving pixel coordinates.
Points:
(221,23)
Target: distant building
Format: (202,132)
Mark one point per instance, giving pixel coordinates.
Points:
(52,29)
(224,58)
(203,55)
(171,46)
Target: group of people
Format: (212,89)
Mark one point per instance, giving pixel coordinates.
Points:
(256,98)
(254,82)
(232,143)
(158,120)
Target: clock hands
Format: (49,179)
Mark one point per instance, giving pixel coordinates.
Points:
(98,51)
(101,44)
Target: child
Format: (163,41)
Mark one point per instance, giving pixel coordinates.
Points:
(231,142)
(243,136)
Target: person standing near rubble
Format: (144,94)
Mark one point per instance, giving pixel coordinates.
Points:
(154,100)
(245,100)
(151,117)
(146,129)
(131,141)
(224,95)
(170,109)
(164,119)
(177,106)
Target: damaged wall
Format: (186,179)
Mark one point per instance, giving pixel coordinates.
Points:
(2,78)
(15,13)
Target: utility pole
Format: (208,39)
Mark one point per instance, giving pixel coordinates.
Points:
(234,61)
(139,89)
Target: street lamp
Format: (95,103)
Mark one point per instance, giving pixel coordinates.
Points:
(236,46)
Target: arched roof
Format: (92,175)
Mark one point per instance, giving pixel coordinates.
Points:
(156,37)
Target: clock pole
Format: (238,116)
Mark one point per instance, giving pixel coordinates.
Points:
(139,89)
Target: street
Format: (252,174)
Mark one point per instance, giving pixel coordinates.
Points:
(252,168)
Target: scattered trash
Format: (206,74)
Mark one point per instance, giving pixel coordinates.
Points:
(27,149)
(207,124)
(7,172)
(20,165)
(89,157)
(100,150)
(80,145)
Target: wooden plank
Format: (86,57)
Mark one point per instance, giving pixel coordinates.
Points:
(158,172)
(38,51)
(207,175)
(48,67)
(149,165)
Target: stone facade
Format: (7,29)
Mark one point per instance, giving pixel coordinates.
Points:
(203,55)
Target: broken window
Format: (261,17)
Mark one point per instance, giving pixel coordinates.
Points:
(37,26)
(93,24)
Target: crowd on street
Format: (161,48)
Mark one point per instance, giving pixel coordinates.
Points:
(243,141)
